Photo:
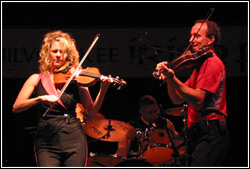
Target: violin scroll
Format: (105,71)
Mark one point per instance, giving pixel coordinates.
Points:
(156,74)
(122,83)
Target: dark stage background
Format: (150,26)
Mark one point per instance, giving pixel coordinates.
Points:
(17,129)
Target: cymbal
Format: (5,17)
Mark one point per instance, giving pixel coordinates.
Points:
(87,119)
(177,111)
(109,130)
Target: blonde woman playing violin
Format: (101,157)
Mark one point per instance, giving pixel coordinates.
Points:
(60,139)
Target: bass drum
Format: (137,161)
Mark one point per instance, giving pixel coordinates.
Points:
(134,163)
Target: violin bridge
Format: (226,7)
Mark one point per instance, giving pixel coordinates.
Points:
(78,73)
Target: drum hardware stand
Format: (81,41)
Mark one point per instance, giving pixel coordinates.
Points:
(173,146)
(107,135)
(147,138)
(138,142)
(186,155)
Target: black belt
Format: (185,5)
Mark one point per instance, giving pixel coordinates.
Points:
(61,115)
(220,123)
(67,117)
(213,111)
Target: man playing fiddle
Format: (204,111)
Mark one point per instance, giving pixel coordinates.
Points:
(205,93)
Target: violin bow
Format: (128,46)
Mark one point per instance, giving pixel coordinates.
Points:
(205,20)
(74,74)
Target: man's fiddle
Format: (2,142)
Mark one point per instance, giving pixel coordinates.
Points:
(187,60)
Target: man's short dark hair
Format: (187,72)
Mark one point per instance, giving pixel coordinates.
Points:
(147,100)
(212,30)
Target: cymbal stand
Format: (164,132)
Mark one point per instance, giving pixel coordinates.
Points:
(107,135)
(186,155)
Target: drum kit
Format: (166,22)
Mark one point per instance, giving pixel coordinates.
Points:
(155,146)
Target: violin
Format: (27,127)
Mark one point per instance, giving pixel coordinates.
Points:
(188,60)
(85,77)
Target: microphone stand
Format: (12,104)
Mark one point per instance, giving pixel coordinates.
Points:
(173,146)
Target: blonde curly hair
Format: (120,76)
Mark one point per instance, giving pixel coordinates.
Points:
(70,51)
